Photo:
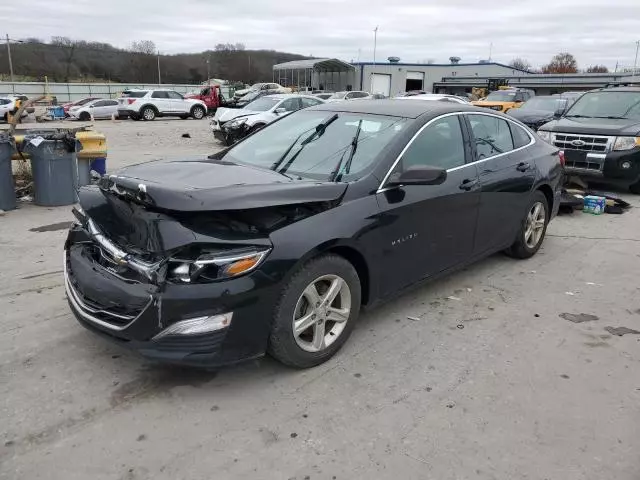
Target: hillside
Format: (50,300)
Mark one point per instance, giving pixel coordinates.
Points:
(65,60)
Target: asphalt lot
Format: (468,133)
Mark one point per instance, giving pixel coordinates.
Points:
(474,376)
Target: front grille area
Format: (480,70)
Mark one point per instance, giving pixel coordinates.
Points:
(583,143)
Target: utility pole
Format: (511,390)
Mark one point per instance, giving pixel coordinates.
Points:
(208,72)
(10,62)
(159,77)
(490,50)
(375,42)
(635,62)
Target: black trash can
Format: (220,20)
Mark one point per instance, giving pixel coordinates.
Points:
(54,166)
(7,188)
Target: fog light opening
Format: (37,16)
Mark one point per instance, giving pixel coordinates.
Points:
(197,326)
(626,165)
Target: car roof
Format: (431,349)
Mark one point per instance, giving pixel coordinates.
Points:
(283,96)
(619,89)
(396,107)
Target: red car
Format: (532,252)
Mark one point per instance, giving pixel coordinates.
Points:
(67,106)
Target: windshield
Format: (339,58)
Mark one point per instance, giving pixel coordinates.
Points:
(501,96)
(605,104)
(338,95)
(262,104)
(293,144)
(548,104)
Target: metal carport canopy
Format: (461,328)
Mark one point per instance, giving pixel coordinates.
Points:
(317,64)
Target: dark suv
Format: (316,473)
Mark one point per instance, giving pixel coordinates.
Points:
(600,136)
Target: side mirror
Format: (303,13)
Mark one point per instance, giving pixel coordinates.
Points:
(557,115)
(280,110)
(418,175)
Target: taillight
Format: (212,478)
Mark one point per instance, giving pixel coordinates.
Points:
(131,100)
(561,157)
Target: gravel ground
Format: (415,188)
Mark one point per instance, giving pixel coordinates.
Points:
(480,375)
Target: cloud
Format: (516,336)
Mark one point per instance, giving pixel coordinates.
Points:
(410,29)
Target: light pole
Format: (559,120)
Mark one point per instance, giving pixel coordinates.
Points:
(159,77)
(635,62)
(375,42)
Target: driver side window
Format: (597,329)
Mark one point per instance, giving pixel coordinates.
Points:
(439,145)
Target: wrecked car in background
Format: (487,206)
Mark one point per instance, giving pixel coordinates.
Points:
(274,244)
(230,125)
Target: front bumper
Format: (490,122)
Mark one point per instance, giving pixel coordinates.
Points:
(605,167)
(228,135)
(131,312)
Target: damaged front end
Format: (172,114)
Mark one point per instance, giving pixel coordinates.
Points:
(179,286)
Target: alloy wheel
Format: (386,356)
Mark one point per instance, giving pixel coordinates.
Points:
(534,227)
(198,113)
(321,313)
(148,114)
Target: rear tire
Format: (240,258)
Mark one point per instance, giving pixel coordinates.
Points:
(198,112)
(322,301)
(532,228)
(148,113)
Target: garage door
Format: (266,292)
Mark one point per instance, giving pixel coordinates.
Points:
(415,76)
(381,83)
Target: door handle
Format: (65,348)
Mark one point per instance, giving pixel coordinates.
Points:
(523,166)
(468,184)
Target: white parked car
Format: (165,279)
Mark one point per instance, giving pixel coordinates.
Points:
(436,97)
(273,87)
(149,104)
(101,108)
(339,96)
(232,124)
(8,105)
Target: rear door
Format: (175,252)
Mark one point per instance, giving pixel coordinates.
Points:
(161,101)
(429,228)
(506,173)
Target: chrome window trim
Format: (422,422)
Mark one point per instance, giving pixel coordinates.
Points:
(532,141)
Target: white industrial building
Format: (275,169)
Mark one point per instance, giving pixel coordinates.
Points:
(388,79)
(393,78)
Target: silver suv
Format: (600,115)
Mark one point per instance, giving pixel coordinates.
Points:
(149,104)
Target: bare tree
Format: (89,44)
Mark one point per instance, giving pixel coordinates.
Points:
(68,47)
(597,69)
(561,63)
(143,46)
(520,64)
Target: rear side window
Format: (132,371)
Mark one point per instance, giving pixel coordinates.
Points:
(159,94)
(439,145)
(101,103)
(136,94)
(492,136)
(520,137)
(109,103)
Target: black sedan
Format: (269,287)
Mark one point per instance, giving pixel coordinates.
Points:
(274,244)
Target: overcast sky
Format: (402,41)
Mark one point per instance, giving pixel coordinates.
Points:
(595,31)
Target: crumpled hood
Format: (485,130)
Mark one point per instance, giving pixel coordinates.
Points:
(595,126)
(205,185)
(225,114)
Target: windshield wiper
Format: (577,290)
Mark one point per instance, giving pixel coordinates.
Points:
(319,131)
(354,146)
(577,116)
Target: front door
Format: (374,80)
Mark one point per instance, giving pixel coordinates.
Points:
(177,102)
(426,229)
(506,174)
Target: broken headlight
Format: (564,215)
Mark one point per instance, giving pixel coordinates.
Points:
(217,265)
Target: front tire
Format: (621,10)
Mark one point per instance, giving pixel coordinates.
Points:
(148,113)
(532,228)
(316,312)
(198,112)
(84,117)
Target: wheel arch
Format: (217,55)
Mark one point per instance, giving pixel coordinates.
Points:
(148,105)
(351,254)
(548,193)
